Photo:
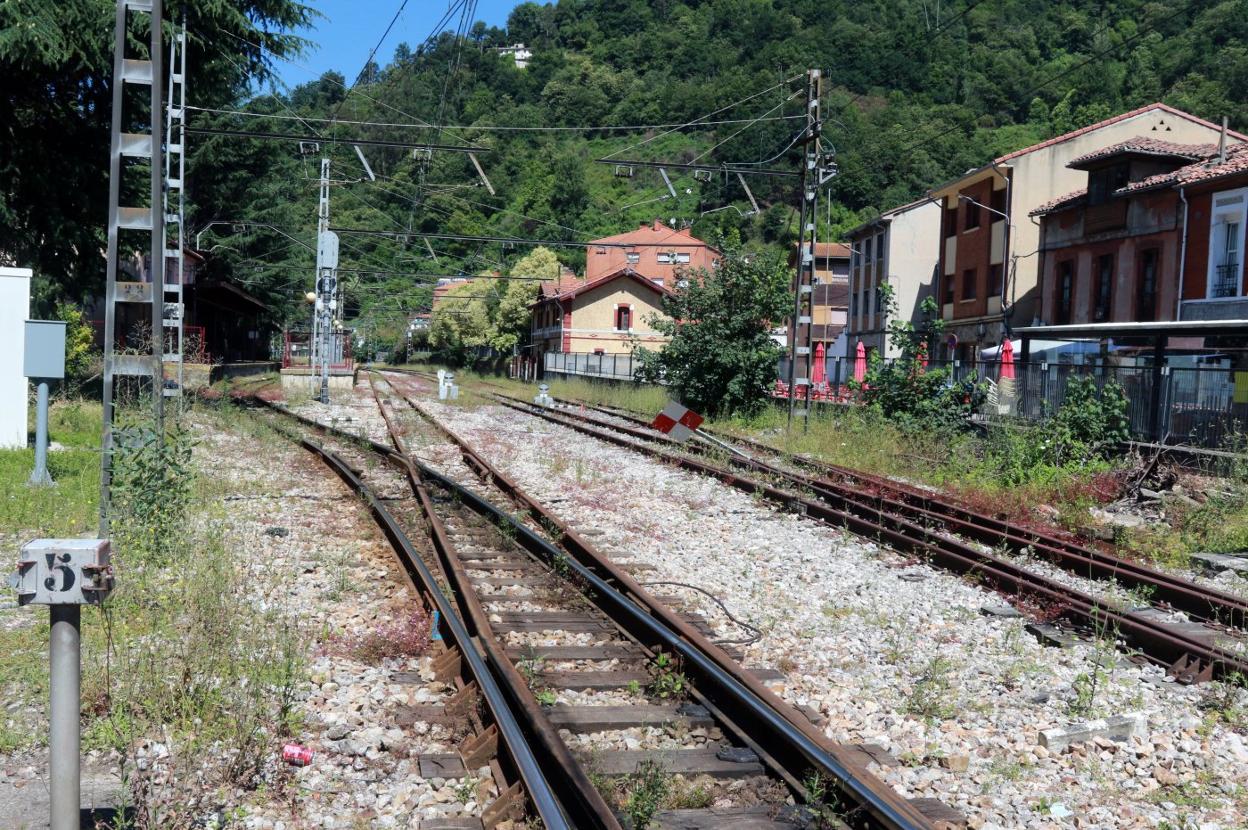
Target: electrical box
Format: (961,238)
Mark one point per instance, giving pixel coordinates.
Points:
(45,349)
(63,572)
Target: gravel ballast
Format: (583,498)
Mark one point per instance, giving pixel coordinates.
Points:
(890,651)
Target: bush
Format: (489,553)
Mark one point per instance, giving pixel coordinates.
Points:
(905,390)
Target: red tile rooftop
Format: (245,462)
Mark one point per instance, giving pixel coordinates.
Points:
(1142,145)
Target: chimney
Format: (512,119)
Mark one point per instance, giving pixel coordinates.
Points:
(1222,143)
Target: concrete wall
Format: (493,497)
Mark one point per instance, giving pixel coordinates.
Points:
(14,311)
(593,318)
(911,245)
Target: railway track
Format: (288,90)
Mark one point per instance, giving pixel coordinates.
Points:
(954,538)
(549,629)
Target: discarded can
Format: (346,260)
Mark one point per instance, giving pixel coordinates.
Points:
(299,756)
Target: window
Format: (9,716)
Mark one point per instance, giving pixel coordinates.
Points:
(879,247)
(633,257)
(948,288)
(951,221)
(867,249)
(968,284)
(665,258)
(623,318)
(656,280)
(1103,183)
(1227,280)
(994,280)
(1146,287)
(1065,290)
(681,257)
(998,202)
(970,218)
(1104,288)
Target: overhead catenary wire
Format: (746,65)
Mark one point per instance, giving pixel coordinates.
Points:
(398,13)
(492,127)
(330,79)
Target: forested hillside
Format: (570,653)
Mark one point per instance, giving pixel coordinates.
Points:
(918,91)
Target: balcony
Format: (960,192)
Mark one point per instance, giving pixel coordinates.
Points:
(1108,216)
(1227,280)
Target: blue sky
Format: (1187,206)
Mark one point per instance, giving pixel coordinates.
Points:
(349,29)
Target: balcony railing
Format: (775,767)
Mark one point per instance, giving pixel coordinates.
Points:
(1227,284)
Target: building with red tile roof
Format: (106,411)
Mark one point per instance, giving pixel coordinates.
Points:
(653,249)
(988,279)
(1157,239)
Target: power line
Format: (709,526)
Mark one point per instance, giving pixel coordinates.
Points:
(518,241)
(494,128)
(369,59)
(327,77)
(371,142)
(708,115)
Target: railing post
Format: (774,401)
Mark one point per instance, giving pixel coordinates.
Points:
(1159,358)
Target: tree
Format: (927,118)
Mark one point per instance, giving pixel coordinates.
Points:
(905,390)
(511,318)
(57,62)
(460,323)
(721,358)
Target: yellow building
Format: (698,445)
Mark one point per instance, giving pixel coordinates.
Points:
(603,316)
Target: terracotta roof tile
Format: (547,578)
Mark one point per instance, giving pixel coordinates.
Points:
(1236,162)
(1060,202)
(1142,145)
(1124,116)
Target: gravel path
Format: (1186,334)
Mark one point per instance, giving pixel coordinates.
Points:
(318,556)
(893,652)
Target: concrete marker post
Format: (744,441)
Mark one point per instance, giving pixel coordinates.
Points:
(40,475)
(64,574)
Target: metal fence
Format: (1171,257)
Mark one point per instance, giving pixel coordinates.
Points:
(1203,406)
(610,366)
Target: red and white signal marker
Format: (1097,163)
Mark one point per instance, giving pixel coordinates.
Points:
(677,421)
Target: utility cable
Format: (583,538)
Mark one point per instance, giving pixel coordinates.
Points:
(491,127)
(704,117)
(753,638)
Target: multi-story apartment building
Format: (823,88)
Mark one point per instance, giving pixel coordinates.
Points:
(897,249)
(830,298)
(989,269)
(1157,234)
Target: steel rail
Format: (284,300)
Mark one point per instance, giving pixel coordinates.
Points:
(581,798)
(1204,603)
(764,719)
(511,736)
(1188,658)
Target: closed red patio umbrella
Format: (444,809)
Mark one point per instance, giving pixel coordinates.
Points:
(819,372)
(860,363)
(1007,359)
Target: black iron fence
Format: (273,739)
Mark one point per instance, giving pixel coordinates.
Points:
(1203,406)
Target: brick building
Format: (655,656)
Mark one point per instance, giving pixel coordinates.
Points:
(1156,235)
(989,274)
(653,249)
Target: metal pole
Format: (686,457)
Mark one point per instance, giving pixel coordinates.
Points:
(40,474)
(801,328)
(65,785)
